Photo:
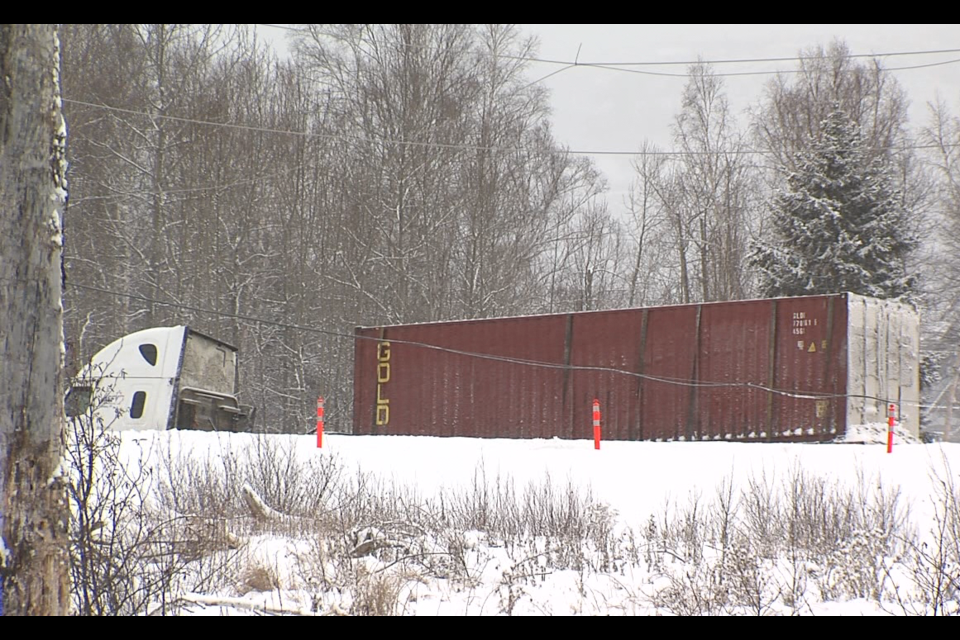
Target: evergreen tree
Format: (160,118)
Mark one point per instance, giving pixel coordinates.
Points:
(839,225)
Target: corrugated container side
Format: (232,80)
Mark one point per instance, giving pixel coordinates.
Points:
(607,346)
(754,370)
(810,368)
(735,354)
(669,365)
(462,379)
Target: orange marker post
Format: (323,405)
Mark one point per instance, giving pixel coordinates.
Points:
(596,424)
(890,421)
(320,422)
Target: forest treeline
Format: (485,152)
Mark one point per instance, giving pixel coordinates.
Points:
(385,174)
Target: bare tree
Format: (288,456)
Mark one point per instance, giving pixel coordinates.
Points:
(130,90)
(33,549)
(698,203)
(795,106)
(942,134)
(713,185)
(597,261)
(942,312)
(645,227)
(457,188)
(399,93)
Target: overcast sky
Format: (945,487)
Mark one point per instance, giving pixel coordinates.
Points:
(599,109)
(605,110)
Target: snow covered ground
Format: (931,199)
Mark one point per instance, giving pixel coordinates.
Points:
(457,526)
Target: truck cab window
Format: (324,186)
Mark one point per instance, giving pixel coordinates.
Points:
(139,399)
(149,353)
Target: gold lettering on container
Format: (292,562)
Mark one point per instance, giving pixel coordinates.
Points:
(383,377)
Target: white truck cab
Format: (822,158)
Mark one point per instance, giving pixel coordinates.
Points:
(162,378)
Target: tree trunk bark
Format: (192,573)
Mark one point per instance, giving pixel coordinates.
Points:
(34,565)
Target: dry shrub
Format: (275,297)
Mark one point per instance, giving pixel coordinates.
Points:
(376,594)
(756,550)
(258,577)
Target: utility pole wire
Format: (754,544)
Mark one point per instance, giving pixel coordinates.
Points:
(445,145)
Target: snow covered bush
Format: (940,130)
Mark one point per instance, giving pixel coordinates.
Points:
(760,550)
(124,556)
(190,526)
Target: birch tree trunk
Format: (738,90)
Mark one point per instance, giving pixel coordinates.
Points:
(33,514)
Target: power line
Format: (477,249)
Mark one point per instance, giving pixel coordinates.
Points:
(746,73)
(614,66)
(654,63)
(483,356)
(447,145)
(776,59)
(307,134)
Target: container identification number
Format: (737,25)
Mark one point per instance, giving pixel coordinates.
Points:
(801,322)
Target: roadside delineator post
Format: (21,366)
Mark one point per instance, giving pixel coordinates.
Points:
(596,424)
(320,422)
(892,413)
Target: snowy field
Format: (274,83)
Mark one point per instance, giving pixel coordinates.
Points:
(433,526)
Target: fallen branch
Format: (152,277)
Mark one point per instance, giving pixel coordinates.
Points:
(259,508)
(240,603)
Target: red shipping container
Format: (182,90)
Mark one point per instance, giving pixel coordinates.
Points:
(783,369)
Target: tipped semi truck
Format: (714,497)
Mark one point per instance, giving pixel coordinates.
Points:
(162,378)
